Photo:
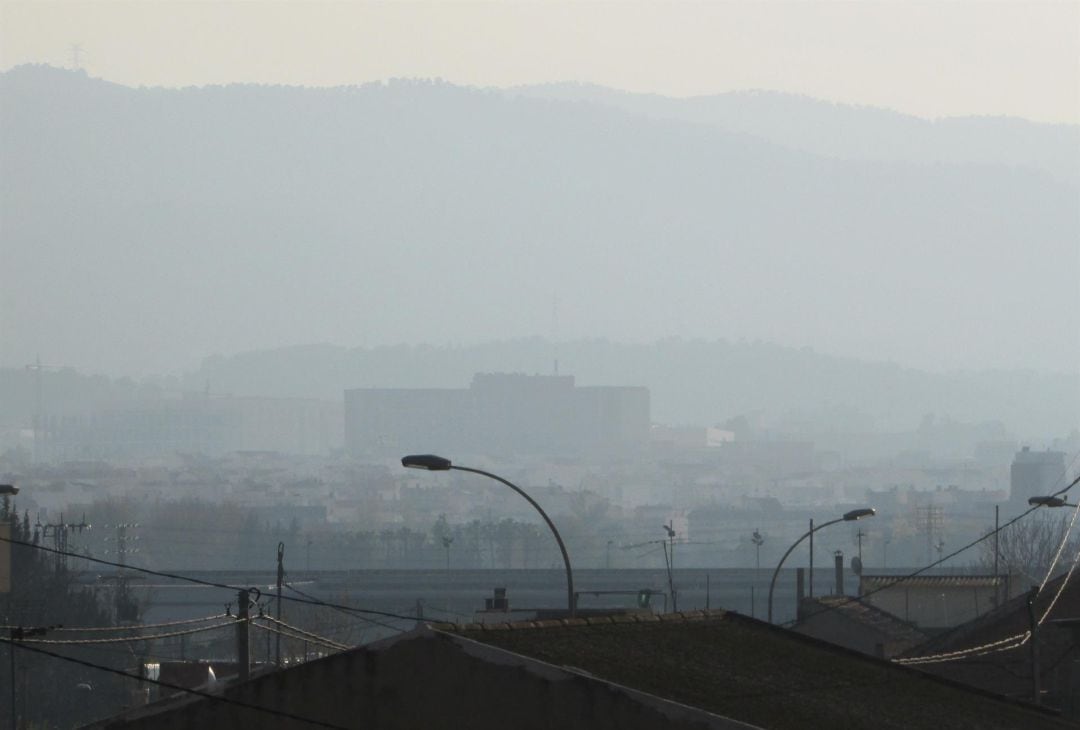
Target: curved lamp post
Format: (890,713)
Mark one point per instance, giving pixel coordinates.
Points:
(430,462)
(855,514)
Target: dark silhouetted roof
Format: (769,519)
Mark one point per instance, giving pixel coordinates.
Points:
(747,670)
(888,625)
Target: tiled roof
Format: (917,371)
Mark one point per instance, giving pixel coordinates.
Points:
(750,671)
(885,623)
(876,582)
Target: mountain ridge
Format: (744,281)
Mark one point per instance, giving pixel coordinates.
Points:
(222,219)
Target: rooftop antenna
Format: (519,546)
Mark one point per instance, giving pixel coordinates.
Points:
(76,56)
(555,329)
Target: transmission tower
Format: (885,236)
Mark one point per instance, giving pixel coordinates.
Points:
(59,532)
(930,521)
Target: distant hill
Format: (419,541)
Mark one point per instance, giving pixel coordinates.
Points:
(851,132)
(143,228)
(691,382)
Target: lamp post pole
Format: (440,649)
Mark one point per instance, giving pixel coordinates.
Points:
(851,516)
(431,462)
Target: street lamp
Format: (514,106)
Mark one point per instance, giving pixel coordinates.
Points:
(855,514)
(430,462)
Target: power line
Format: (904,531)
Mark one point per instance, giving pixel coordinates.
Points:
(177,687)
(126,639)
(199,581)
(349,611)
(1011,642)
(939,561)
(165,624)
(293,632)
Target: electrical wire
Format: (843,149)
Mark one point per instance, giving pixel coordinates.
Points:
(1016,640)
(351,612)
(165,624)
(168,685)
(125,639)
(199,581)
(1011,642)
(939,561)
(297,633)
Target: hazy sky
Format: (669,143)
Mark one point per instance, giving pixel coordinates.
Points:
(929,59)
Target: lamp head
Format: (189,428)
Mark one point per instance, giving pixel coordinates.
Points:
(858,514)
(8,489)
(1048,502)
(429,462)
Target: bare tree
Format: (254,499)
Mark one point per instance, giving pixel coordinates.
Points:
(1028,547)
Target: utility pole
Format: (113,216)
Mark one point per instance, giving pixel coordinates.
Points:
(1033,624)
(858,537)
(242,648)
(810,591)
(997,531)
(447,541)
(11,656)
(930,520)
(669,555)
(280,579)
(124,605)
(18,633)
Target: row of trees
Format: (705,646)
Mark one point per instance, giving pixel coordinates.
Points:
(51,692)
(194,534)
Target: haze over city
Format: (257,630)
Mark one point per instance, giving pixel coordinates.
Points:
(673,227)
(298,300)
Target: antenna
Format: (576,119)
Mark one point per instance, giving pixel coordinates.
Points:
(555,329)
(76,56)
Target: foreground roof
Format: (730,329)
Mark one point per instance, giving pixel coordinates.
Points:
(865,614)
(993,651)
(747,670)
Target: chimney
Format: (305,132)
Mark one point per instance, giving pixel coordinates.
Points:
(800,592)
(838,557)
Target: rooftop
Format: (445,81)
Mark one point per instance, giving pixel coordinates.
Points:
(747,670)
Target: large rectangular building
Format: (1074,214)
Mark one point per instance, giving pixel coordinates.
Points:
(1036,474)
(499,415)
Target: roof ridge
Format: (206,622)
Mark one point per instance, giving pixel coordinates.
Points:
(608,619)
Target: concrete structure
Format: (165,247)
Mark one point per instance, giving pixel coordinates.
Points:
(934,602)
(499,414)
(1036,474)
